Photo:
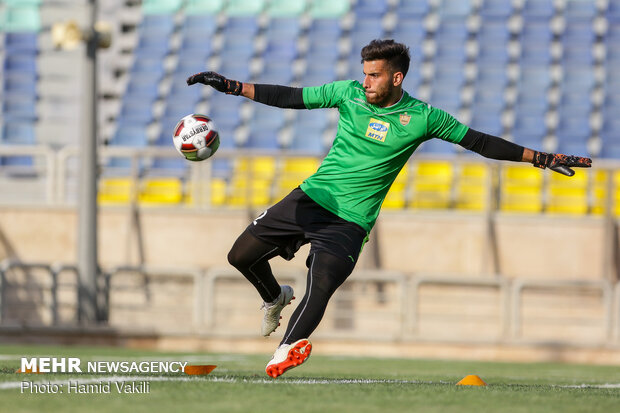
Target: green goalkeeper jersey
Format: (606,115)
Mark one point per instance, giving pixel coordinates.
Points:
(371,146)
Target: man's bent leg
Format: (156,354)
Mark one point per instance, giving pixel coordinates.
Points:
(326,273)
(251,257)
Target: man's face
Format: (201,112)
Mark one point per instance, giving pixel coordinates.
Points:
(379,83)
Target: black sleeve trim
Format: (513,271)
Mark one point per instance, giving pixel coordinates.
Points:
(491,146)
(279,96)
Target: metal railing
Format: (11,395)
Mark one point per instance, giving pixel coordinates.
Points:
(198,316)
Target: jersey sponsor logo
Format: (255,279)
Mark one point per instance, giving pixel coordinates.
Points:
(377,130)
(404,119)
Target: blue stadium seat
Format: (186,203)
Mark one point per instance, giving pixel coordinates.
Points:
(267,118)
(610,150)
(450,38)
(130,134)
(540,9)
(580,9)
(203,26)
(152,68)
(370,7)
(529,130)
(20,64)
(179,90)
(454,9)
(412,81)
(16,84)
(18,133)
(487,123)
(308,140)
(262,139)
(437,146)
(365,29)
(22,107)
(411,31)
(575,148)
(501,9)
(177,167)
(574,129)
(21,43)
(493,38)
(235,69)
(276,73)
(142,88)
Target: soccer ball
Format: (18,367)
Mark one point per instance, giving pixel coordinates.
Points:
(195,137)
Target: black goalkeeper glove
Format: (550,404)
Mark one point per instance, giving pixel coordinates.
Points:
(560,163)
(217,81)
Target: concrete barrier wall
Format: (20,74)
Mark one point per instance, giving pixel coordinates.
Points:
(434,243)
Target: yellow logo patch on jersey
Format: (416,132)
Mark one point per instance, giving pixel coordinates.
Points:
(377,130)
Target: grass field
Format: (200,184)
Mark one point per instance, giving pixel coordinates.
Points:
(324,384)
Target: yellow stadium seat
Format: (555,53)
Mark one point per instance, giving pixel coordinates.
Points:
(396,198)
(599,192)
(162,191)
(262,167)
(472,187)
(294,171)
(218,191)
(568,195)
(432,185)
(257,193)
(521,189)
(115,190)
(251,181)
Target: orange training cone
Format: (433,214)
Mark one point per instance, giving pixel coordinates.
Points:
(199,369)
(471,380)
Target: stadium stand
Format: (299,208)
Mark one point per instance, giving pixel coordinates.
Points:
(542,73)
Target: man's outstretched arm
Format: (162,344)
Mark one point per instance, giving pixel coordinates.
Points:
(272,95)
(494,147)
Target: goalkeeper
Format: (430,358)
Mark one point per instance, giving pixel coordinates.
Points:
(334,209)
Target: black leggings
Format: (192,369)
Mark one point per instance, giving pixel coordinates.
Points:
(326,272)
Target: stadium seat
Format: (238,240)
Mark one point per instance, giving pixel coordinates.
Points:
(472,187)
(600,179)
(500,9)
(251,181)
(161,6)
(437,147)
(327,9)
(396,197)
(244,7)
(493,38)
(521,189)
(115,190)
(293,172)
(286,8)
(539,9)
(21,42)
(23,17)
(161,191)
(432,185)
(568,195)
(370,7)
(454,9)
(203,7)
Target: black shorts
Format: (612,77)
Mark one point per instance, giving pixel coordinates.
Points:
(297,220)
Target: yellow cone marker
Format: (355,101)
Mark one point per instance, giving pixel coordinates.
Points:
(471,380)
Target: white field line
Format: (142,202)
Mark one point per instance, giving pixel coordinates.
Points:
(17,384)
(188,358)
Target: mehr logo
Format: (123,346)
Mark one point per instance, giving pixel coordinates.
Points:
(377,130)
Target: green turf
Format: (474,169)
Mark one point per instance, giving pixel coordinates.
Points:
(240,385)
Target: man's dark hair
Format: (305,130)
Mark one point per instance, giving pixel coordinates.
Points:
(396,54)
